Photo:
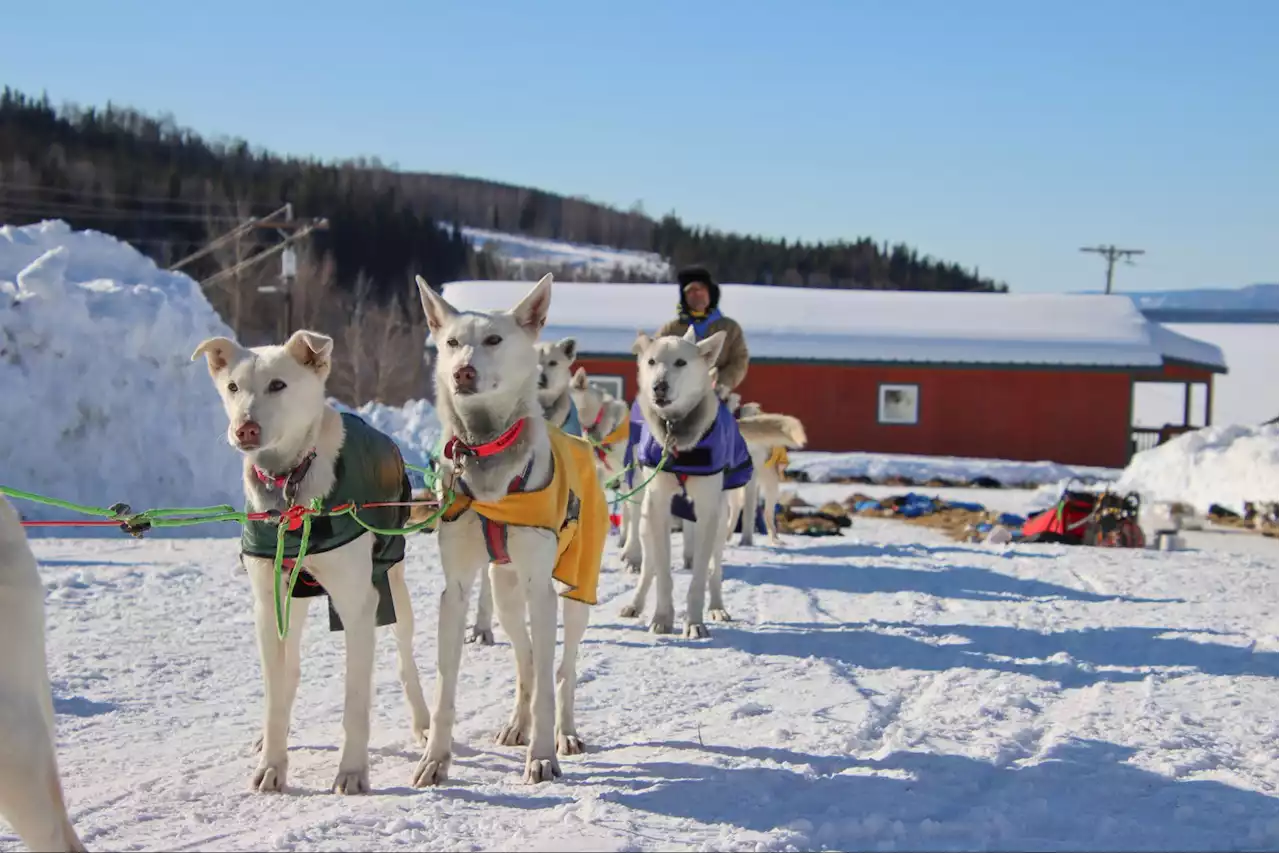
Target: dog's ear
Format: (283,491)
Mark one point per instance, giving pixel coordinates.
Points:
(312,350)
(641,343)
(710,347)
(690,335)
(438,311)
(531,313)
(569,347)
(219,352)
(579,380)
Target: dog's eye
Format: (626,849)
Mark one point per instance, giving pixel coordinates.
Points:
(493,340)
(452,343)
(232,387)
(275,386)
(652,362)
(680,362)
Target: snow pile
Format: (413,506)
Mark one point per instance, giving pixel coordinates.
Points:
(591,260)
(101,400)
(415,428)
(879,467)
(1226,465)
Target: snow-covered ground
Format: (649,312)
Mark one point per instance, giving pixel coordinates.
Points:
(596,261)
(884,690)
(1226,465)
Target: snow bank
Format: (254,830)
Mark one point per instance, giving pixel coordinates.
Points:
(101,400)
(877,467)
(415,428)
(1226,465)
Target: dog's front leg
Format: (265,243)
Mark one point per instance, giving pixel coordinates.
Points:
(509,599)
(655,537)
(576,617)
(709,505)
(749,499)
(632,547)
(482,631)
(420,715)
(462,553)
(534,557)
(281,669)
(348,578)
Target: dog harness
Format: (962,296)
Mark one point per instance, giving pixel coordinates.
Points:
(369,469)
(720,450)
(622,432)
(572,506)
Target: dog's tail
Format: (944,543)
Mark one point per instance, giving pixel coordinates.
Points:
(770,430)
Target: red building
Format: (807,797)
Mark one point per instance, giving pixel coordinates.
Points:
(1023,377)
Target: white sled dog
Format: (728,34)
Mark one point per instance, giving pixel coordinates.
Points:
(527,504)
(606,423)
(297,448)
(554,361)
(758,428)
(30,789)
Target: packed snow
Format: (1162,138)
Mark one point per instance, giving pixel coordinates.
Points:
(867,325)
(883,690)
(596,261)
(827,467)
(101,400)
(1225,465)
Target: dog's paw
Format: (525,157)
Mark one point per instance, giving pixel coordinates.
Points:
(719,614)
(696,631)
(512,734)
(431,771)
(569,744)
(482,636)
(630,611)
(661,625)
(352,781)
(541,769)
(269,777)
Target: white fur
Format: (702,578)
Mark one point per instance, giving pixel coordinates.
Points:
(762,433)
(30,789)
(293,420)
(500,348)
(679,402)
(593,403)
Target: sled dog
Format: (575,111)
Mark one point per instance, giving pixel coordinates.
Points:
(529,505)
(30,788)
(762,431)
(686,422)
(296,449)
(560,409)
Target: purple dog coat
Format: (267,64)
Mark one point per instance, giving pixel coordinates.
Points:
(721,449)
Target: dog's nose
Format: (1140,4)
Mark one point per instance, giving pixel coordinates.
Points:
(464,378)
(542,380)
(661,387)
(249,434)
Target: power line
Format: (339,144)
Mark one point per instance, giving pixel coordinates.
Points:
(109,195)
(1112,254)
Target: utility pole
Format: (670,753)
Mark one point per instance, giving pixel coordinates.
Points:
(1112,254)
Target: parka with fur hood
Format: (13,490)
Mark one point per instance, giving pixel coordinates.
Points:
(731,366)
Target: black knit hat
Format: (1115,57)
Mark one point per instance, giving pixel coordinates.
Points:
(688,275)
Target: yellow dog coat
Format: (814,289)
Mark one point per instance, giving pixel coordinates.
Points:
(778,457)
(572,506)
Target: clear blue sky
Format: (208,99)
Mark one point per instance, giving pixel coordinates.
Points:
(1002,134)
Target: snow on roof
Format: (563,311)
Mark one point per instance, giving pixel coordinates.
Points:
(866,325)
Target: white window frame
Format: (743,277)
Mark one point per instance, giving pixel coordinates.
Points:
(909,387)
(609,383)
